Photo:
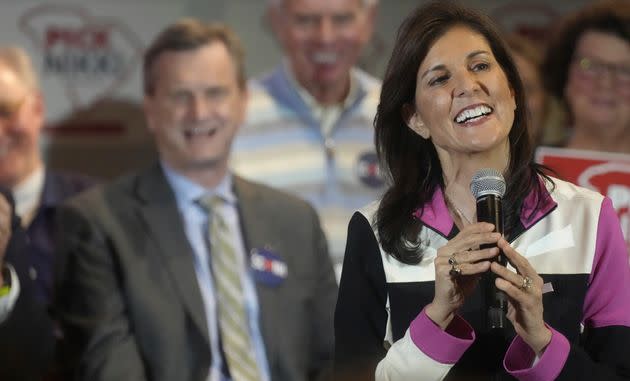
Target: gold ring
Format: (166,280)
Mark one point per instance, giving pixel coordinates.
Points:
(527,283)
(452,261)
(455,271)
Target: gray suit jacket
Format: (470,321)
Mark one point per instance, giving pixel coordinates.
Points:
(127,294)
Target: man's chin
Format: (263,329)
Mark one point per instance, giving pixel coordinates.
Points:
(205,163)
(329,77)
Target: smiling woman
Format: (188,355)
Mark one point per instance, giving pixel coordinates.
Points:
(588,67)
(412,302)
(463,101)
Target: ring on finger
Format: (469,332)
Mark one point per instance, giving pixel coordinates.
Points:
(455,270)
(527,283)
(452,261)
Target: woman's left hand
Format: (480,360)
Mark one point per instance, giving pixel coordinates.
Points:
(524,290)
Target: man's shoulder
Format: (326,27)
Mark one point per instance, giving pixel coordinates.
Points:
(259,97)
(259,87)
(60,184)
(269,77)
(367,81)
(77,179)
(106,196)
(274,198)
(370,86)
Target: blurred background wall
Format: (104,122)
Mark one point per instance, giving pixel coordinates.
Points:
(89,54)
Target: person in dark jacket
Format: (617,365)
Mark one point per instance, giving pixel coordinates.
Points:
(26,330)
(37,192)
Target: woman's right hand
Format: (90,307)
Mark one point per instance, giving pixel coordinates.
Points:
(453,287)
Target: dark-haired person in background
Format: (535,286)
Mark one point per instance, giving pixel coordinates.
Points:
(587,66)
(26,330)
(544,111)
(410,305)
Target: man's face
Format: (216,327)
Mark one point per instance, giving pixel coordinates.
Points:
(196,107)
(21,119)
(322,38)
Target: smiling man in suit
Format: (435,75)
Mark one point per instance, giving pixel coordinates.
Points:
(185,271)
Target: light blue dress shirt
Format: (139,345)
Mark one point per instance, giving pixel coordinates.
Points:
(195,220)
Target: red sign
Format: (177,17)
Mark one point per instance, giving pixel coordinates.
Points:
(607,173)
(85,37)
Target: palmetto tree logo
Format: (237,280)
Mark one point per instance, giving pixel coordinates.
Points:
(91,56)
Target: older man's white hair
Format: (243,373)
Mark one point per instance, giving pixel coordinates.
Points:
(18,61)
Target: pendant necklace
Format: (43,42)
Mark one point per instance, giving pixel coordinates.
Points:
(457,211)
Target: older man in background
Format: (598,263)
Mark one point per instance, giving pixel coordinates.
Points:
(27,268)
(309,123)
(37,191)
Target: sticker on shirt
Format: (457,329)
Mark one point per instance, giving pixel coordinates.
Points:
(369,171)
(267,267)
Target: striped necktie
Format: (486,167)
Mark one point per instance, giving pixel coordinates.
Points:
(235,336)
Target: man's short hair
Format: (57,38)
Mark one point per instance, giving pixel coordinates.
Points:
(20,63)
(190,34)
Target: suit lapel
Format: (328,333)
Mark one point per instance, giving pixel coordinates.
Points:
(162,217)
(249,213)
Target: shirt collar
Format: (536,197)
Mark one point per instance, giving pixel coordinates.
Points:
(189,192)
(435,215)
(27,194)
(534,209)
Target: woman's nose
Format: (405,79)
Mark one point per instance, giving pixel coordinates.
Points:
(466,83)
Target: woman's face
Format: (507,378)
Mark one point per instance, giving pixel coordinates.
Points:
(598,85)
(463,101)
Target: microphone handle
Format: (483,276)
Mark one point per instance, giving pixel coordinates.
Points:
(489,209)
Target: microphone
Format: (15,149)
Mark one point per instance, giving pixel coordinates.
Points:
(488,187)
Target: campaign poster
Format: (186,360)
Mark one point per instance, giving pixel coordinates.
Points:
(88,58)
(607,173)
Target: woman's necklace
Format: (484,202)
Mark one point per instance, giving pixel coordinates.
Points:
(456,210)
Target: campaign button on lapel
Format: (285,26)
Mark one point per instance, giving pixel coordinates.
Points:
(267,267)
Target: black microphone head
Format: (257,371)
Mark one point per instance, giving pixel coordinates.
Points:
(487,181)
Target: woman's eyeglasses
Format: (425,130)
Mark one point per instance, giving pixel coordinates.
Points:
(594,68)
